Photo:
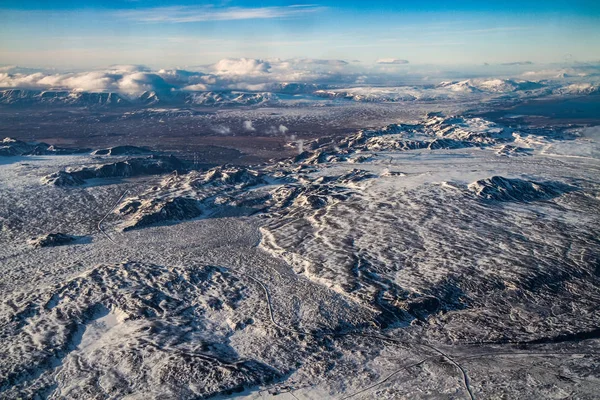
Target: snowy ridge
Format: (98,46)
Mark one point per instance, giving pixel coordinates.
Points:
(503,189)
(151,165)
(13,147)
(471,88)
(73,98)
(278,93)
(434,132)
(491,85)
(194,194)
(579,89)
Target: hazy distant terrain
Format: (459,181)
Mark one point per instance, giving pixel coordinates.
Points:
(309,241)
(246,114)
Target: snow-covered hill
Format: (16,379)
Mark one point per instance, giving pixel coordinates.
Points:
(422,259)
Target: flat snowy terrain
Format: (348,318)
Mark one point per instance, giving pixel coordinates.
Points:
(442,257)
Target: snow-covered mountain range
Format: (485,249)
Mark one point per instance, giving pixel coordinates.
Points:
(142,88)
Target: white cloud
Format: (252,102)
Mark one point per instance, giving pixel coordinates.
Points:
(198,87)
(189,14)
(241,66)
(128,82)
(248,126)
(86,81)
(226,74)
(142,81)
(318,61)
(186,80)
(222,130)
(20,80)
(552,73)
(283,129)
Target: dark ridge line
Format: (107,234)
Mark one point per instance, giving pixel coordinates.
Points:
(539,354)
(561,338)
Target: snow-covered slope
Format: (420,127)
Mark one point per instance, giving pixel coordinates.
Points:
(446,90)
(417,259)
(491,85)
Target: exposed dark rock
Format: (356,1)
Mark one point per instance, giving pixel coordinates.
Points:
(52,239)
(62,178)
(230,176)
(503,189)
(158,210)
(421,307)
(152,165)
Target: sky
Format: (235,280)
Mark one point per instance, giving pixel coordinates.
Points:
(183,33)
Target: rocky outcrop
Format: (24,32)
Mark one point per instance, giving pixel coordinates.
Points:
(151,165)
(512,151)
(52,239)
(62,178)
(155,211)
(227,175)
(434,132)
(499,188)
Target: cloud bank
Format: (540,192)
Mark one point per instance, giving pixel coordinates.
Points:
(226,74)
(283,76)
(241,66)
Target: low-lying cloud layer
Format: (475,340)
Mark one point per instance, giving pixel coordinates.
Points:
(256,75)
(230,73)
(392,61)
(125,79)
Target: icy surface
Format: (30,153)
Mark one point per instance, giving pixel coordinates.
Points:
(451,257)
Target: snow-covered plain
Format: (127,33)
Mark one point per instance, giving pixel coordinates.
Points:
(450,257)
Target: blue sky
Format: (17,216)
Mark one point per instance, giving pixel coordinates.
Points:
(159,33)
